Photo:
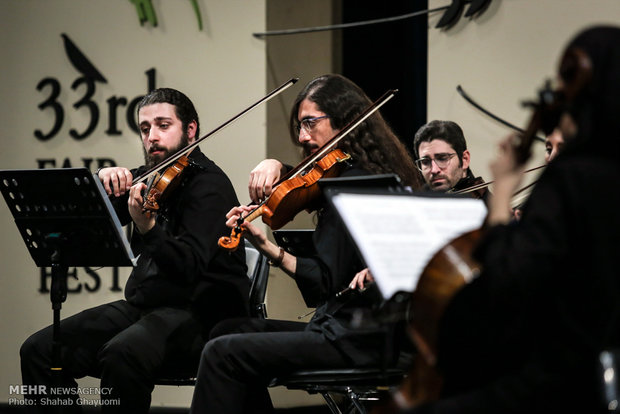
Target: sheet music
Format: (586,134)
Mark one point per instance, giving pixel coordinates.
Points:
(398,235)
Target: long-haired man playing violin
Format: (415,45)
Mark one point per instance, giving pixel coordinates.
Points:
(243,356)
(182,283)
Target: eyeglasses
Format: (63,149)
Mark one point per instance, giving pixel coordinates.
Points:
(441,159)
(307,124)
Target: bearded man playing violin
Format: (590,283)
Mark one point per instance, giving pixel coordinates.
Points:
(244,355)
(181,286)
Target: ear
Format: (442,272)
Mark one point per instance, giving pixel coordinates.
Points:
(466,158)
(191,131)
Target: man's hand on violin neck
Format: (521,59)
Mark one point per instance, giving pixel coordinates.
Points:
(263,177)
(143,219)
(115,180)
(254,234)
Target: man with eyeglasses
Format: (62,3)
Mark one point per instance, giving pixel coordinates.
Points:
(443,157)
(243,355)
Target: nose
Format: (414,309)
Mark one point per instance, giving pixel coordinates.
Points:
(554,152)
(434,167)
(152,136)
(303,136)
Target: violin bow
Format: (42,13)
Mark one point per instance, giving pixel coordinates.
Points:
(237,231)
(522,189)
(488,183)
(479,107)
(309,160)
(190,147)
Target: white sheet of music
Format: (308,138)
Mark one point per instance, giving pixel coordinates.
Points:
(397,235)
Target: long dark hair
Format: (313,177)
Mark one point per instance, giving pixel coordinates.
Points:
(373,145)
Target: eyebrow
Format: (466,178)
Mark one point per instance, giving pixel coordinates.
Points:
(309,117)
(157,119)
(436,154)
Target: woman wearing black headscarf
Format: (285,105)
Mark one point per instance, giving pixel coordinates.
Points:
(525,336)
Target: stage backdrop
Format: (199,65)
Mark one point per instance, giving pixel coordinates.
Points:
(72,72)
(502,58)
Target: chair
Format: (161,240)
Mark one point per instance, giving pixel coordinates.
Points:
(353,385)
(258,273)
(609,369)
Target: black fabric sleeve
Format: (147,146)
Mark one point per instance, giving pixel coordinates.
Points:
(524,258)
(321,277)
(533,270)
(336,261)
(202,218)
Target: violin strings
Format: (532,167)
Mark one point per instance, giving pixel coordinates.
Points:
(488,183)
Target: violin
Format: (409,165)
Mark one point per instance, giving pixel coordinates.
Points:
(479,187)
(452,267)
(290,197)
(299,190)
(161,185)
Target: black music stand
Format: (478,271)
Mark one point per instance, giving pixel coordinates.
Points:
(66,220)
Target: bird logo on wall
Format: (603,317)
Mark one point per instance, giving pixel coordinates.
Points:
(80,62)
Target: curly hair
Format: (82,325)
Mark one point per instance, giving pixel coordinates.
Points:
(373,145)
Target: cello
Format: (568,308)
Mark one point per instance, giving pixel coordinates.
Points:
(452,267)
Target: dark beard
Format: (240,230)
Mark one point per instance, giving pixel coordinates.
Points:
(307,149)
(152,160)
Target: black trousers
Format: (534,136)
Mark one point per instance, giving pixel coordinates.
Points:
(123,345)
(235,368)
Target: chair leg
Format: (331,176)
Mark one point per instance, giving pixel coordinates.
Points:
(333,407)
(356,401)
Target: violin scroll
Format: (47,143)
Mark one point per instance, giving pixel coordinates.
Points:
(575,72)
(231,243)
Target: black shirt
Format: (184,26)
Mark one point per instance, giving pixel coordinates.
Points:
(331,270)
(179,257)
(525,336)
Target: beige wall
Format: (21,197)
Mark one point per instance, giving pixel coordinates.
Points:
(221,68)
(304,56)
(501,59)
